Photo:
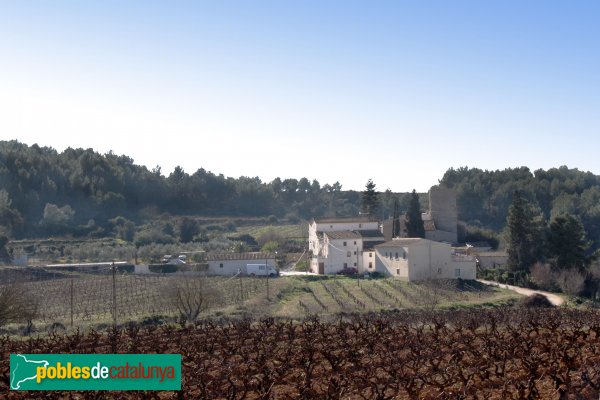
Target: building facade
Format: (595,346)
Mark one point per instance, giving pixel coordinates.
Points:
(338,243)
(415,259)
(230,264)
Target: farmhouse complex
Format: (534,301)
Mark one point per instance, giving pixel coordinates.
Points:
(360,243)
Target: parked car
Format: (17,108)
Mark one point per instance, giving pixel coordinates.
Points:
(348,271)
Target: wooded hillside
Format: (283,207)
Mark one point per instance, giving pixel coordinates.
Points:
(483,197)
(44,192)
(81,192)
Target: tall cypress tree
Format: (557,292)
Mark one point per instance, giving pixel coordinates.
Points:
(414,221)
(396,220)
(370,200)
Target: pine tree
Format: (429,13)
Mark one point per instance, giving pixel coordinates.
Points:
(523,235)
(414,221)
(567,243)
(370,200)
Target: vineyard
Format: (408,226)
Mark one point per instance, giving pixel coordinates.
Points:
(332,296)
(86,298)
(486,354)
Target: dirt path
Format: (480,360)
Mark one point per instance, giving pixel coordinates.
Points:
(554,299)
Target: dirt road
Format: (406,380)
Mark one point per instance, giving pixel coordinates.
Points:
(554,299)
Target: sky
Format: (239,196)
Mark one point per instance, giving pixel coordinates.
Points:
(396,91)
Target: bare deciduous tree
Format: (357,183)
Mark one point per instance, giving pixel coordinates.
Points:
(571,281)
(191,296)
(17,305)
(543,276)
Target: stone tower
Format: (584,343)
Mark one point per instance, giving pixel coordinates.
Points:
(443,211)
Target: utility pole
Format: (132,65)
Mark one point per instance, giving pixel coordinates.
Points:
(71,301)
(241,287)
(114,293)
(267,271)
(357,269)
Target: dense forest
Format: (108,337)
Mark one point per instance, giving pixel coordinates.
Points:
(484,197)
(83,193)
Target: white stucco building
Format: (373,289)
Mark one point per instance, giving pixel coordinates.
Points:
(414,259)
(230,263)
(338,243)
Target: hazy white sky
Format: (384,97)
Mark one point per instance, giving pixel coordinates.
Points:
(342,91)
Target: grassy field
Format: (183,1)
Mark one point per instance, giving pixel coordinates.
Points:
(88,297)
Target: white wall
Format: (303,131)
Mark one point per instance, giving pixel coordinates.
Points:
(368,257)
(231,267)
(425,259)
(492,259)
(388,264)
(344,226)
(336,254)
(333,257)
(313,239)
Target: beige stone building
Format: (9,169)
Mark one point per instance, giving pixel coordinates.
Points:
(415,259)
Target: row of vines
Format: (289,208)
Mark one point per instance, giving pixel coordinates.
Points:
(487,354)
(88,297)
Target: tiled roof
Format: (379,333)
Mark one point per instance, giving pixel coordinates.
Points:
(342,220)
(401,242)
(343,235)
(369,233)
(370,244)
(238,256)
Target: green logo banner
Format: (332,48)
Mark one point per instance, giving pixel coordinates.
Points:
(95,372)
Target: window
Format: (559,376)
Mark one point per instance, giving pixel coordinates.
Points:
(355,252)
(396,255)
(330,226)
(439,271)
(370,255)
(370,265)
(344,243)
(221,265)
(386,253)
(398,271)
(261,267)
(355,264)
(345,265)
(457,273)
(355,242)
(348,254)
(404,255)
